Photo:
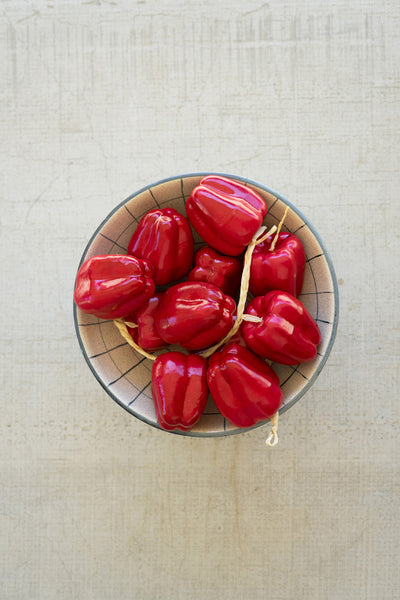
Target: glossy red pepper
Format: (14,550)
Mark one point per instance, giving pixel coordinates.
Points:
(287,334)
(212,267)
(145,334)
(225,213)
(194,314)
(244,388)
(179,389)
(279,269)
(164,237)
(112,286)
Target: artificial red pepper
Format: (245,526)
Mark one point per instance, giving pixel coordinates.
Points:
(225,213)
(145,334)
(194,314)
(244,388)
(287,333)
(212,267)
(179,389)
(164,237)
(279,269)
(112,286)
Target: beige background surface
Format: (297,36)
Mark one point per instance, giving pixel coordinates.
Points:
(98,99)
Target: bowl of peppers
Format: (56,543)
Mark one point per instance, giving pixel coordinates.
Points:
(206,304)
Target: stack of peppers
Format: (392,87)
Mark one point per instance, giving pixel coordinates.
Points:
(196,306)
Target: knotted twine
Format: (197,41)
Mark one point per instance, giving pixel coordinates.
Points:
(122,325)
(123,329)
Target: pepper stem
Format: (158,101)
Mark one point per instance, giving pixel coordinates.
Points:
(244,288)
(272,438)
(272,248)
(121,326)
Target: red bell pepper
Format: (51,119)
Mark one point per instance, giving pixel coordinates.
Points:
(112,286)
(287,333)
(145,334)
(279,269)
(164,237)
(179,389)
(225,213)
(244,388)
(212,267)
(194,314)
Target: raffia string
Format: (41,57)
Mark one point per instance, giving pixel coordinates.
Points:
(279,230)
(251,318)
(272,438)
(121,326)
(244,288)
